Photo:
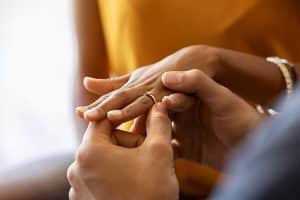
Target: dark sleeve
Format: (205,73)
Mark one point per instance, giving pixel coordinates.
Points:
(268,165)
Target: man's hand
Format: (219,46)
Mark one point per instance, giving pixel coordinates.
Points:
(209,118)
(104,170)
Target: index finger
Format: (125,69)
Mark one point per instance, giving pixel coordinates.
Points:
(98,131)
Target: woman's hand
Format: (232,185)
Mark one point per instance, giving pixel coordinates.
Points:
(104,170)
(122,98)
(209,119)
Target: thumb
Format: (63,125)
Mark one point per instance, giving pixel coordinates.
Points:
(98,132)
(103,86)
(159,127)
(212,94)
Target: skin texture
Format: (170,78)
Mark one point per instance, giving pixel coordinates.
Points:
(239,72)
(92,59)
(209,119)
(95,175)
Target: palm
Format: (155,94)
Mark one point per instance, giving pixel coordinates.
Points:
(214,127)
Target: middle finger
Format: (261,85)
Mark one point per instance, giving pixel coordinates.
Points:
(115,101)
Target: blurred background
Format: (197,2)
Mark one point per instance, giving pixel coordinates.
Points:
(37,56)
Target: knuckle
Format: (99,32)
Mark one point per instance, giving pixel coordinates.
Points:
(99,110)
(84,156)
(228,100)
(126,113)
(106,96)
(201,48)
(98,102)
(123,94)
(195,75)
(71,174)
(211,56)
(139,70)
(190,48)
(159,148)
(145,100)
(161,117)
(195,49)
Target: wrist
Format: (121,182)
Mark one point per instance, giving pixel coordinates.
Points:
(216,61)
(205,58)
(251,77)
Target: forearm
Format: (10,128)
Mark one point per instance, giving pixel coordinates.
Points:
(250,76)
(81,97)
(44,179)
(92,59)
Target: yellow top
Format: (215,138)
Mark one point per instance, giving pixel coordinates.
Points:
(140,32)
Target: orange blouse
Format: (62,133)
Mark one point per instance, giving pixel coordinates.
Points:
(140,32)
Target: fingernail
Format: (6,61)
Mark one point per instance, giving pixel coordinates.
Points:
(81,109)
(173,77)
(164,99)
(85,80)
(88,77)
(168,100)
(114,113)
(93,114)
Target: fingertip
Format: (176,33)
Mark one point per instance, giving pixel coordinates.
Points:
(79,114)
(91,84)
(172,104)
(172,78)
(165,99)
(86,81)
(168,101)
(160,107)
(92,115)
(164,77)
(114,115)
(81,109)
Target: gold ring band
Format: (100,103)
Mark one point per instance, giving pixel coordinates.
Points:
(148,94)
